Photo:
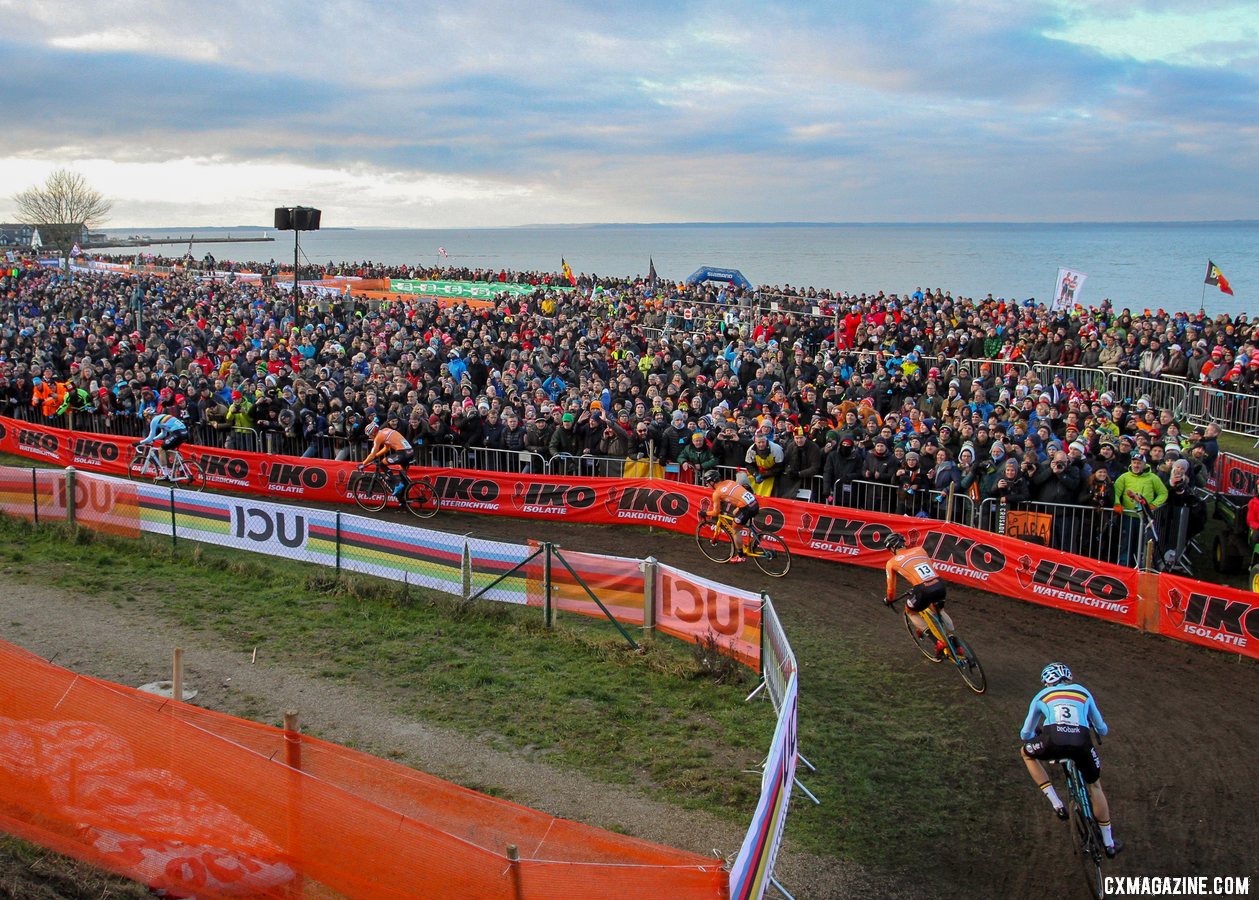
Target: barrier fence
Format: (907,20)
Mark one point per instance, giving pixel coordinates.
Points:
(990,561)
(459,833)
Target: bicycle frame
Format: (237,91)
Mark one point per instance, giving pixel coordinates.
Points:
(153,462)
(726,522)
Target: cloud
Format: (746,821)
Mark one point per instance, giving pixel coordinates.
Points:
(490,112)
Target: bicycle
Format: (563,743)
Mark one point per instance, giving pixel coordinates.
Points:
(146,465)
(1086,834)
(372,491)
(717,540)
(956,650)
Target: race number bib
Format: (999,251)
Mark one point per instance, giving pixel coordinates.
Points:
(924,571)
(1064,714)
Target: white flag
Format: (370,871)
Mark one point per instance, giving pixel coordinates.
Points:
(1067,291)
(442,251)
(76,250)
(36,240)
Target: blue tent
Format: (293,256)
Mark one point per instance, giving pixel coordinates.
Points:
(730,276)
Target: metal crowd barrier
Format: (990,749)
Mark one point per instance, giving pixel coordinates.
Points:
(1000,365)
(1084,379)
(1164,393)
(1233,412)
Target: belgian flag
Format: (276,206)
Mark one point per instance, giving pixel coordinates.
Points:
(568,272)
(1216,278)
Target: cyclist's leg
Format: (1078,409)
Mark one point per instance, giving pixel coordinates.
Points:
(1090,766)
(1032,753)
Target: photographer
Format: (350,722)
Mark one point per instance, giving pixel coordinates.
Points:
(1007,482)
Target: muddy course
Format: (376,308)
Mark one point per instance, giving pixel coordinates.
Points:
(1177,766)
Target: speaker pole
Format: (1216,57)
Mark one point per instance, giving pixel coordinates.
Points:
(296,236)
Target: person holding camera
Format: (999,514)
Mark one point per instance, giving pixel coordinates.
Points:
(1007,483)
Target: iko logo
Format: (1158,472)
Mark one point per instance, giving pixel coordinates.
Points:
(466,493)
(1228,622)
(647,504)
(1078,585)
(225,468)
(839,535)
(264,526)
(294,479)
(954,553)
(551,499)
(94,451)
(1243,481)
(38,441)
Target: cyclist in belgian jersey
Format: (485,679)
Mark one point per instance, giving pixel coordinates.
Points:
(735,497)
(168,429)
(925,585)
(1057,727)
(396,450)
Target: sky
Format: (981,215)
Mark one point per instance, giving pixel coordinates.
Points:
(492,113)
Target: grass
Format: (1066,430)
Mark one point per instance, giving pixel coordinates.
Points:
(575,694)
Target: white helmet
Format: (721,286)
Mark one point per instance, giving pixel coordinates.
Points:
(370,428)
(1054,673)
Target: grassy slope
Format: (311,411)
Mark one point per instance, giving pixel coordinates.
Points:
(489,670)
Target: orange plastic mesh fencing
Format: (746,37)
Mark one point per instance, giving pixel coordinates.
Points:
(196,802)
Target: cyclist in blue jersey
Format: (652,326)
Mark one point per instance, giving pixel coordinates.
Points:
(1057,727)
(170,430)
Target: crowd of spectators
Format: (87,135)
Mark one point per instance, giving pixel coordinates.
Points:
(920,392)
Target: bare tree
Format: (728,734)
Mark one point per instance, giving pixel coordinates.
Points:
(63,208)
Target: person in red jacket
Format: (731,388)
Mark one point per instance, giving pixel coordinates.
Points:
(1252,519)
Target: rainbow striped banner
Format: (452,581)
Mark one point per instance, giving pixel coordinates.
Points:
(430,559)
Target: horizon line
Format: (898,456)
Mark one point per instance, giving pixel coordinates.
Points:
(748,224)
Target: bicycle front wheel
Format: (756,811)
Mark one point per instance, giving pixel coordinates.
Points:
(926,643)
(422,499)
(968,664)
(136,471)
(369,490)
(190,475)
(714,541)
(772,557)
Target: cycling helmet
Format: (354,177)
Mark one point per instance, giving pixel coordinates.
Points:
(893,543)
(1054,673)
(370,429)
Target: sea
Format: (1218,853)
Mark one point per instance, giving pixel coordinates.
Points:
(1135,265)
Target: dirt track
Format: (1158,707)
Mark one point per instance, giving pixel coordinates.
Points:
(1177,766)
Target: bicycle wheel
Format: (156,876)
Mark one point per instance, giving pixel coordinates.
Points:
(422,499)
(1087,841)
(967,663)
(190,475)
(714,541)
(369,490)
(926,643)
(136,471)
(772,556)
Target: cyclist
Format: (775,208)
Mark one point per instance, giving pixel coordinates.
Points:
(1057,727)
(396,450)
(735,497)
(925,585)
(170,430)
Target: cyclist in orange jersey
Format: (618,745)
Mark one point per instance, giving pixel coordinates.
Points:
(396,450)
(925,585)
(734,496)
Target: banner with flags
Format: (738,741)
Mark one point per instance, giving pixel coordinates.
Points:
(1067,291)
(1216,278)
(568,272)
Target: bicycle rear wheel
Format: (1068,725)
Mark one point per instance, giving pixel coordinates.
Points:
(422,499)
(926,643)
(968,664)
(714,541)
(190,475)
(1087,841)
(369,490)
(773,557)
